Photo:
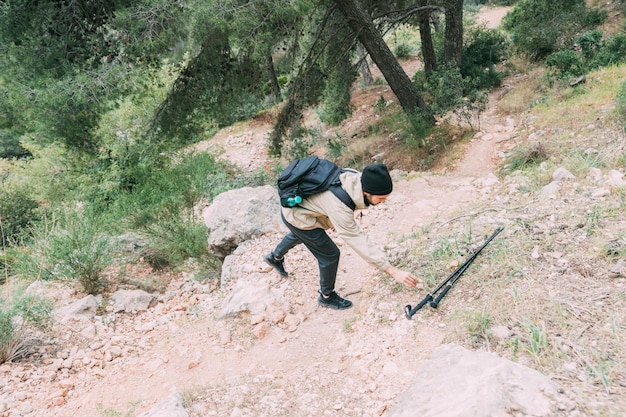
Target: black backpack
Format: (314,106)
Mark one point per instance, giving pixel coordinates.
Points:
(308,176)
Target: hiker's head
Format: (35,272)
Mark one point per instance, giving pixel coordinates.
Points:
(376,183)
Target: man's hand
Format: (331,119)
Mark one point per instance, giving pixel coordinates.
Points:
(403,277)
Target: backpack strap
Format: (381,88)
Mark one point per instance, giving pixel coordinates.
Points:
(342,194)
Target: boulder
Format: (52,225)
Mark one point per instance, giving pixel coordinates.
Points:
(83,309)
(457,382)
(132,301)
(239,215)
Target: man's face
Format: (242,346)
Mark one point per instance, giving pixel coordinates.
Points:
(376,199)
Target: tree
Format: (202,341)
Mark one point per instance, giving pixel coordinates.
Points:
(69,62)
(428,50)
(453,49)
(361,24)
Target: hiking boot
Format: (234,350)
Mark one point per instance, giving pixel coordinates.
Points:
(334,301)
(277,264)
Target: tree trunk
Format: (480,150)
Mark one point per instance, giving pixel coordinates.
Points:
(453,49)
(368,79)
(361,23)
(428,50)
(273,79)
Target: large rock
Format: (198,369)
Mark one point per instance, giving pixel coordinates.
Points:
(239,215)
(458,382)
(83,309)
(255,296)
(131,301)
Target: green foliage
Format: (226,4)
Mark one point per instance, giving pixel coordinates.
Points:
(524,157)
(300,143)
(336,146)
(163,203)
(10,145)
(446,90)
(403,50)
(18,314)
(590,42)
(46,176)
(477,325)
(564,64)
(216,85)
(541,27)
(594,53)
(403,41)
(74,246)
(176,235)
(485,48)
(335,103)
(612,51)
(18,211)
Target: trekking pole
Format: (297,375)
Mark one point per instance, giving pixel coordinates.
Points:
(450,280)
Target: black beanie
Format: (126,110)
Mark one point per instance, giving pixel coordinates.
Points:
(376,180)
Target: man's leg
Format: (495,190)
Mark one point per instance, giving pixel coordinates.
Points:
(275,258)
(289,241)
(326,253)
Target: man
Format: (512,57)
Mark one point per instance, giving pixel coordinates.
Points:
(309,221)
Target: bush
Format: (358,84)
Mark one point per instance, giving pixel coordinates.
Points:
(612,51)
(403,50)
(565,64)
(17,212)
(541,27)
(175,235)
(485,48)
(17,316)
(447,91)
(163,206)
(10,146)
(590,42)
(74,248)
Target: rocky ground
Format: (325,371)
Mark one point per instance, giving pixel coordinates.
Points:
(312,361)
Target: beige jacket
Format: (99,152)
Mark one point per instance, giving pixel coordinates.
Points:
(325,210)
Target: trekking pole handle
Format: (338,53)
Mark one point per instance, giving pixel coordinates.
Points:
(411,311)
(435,302)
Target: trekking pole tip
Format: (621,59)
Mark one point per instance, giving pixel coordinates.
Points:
(407,311)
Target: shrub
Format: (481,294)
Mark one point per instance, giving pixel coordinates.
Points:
(75,247)
(10,146)
(447,91)
(17,212)
(175,236)
(403,50)
(524,157)
(540,27)
(612,51)
(17,316)
(590,42)
(565,64)
(485,48)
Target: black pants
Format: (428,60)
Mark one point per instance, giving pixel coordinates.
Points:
(320,245)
